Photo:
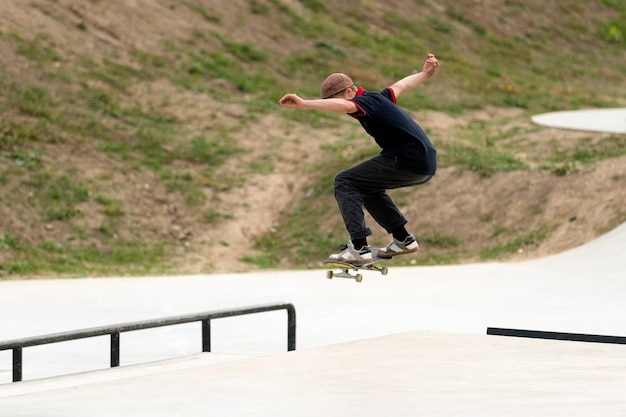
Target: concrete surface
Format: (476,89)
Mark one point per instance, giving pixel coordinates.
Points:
(409,374)
(595,120)
(410,343)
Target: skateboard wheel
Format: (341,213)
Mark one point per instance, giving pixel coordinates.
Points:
(384,270)
(359,277)
(329,274)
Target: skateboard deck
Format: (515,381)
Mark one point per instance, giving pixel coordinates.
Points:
(345,267)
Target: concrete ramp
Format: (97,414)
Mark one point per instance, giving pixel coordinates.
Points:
(594,120)
(409,374)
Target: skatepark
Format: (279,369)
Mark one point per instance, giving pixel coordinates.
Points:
(413,342)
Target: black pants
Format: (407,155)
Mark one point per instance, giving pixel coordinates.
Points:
(365,185)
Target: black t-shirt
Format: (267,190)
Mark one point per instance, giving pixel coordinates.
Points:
(395,131)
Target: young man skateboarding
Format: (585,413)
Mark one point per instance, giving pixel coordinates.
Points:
(408,158)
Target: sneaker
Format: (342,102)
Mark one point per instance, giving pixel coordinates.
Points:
(352,256)
(396,247)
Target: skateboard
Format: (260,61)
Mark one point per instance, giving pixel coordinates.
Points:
(345,267)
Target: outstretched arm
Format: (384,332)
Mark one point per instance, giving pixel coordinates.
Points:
(337,105)
(410,82)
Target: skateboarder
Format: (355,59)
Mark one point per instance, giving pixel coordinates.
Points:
(408,158)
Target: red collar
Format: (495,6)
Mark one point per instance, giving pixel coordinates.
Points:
(360,91)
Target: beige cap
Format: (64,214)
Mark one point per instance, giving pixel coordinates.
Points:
(335,83)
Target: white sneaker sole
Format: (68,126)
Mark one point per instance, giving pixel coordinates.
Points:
(392,254)
(350,261)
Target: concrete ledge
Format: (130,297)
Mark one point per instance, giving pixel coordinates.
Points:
(112,375)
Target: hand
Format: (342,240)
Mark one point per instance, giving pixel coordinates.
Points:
(291,100)
(431,64)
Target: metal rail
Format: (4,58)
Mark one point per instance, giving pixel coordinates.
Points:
(114,331)
(574,337)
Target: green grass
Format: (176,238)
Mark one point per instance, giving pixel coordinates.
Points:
(111,207)
(9,242)
(439,239)
(64,258)
(484,162)
(587,152)
(514,241)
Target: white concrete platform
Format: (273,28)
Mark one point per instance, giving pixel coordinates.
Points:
(411,374)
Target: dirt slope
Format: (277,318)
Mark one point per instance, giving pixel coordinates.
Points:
(571,209)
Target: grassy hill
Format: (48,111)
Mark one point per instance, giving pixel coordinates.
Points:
(145,136)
